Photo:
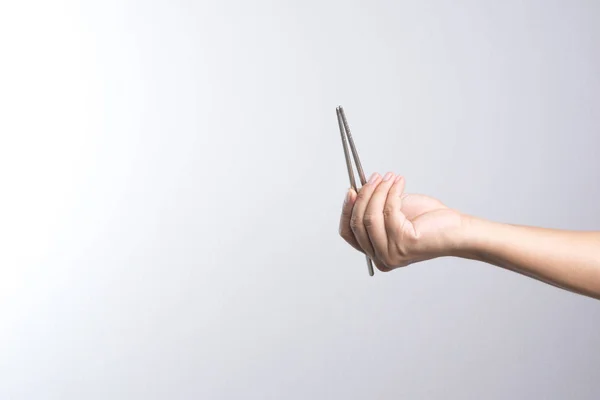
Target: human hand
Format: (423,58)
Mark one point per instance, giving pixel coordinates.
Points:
(396,229)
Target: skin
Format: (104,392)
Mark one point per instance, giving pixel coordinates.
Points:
(396,229)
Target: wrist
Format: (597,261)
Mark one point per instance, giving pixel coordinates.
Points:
(471,239)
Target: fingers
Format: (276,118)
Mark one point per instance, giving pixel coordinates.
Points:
(373,219)
(346,232)
(358,213)
(344,229)
(393,214)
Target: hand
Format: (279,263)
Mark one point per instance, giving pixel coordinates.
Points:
(396,229)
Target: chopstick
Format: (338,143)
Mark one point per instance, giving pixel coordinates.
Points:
(347,139)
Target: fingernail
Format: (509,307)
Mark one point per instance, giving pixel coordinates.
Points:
(397,179)
(387,177)
(373,177)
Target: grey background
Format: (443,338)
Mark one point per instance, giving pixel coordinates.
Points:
(172,176)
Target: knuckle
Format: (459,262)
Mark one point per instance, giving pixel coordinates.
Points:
(369,220)
(345,234)
(361,196)
(355,223)
(388,211)
(382,266)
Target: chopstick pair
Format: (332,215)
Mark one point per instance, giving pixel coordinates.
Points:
(347,139)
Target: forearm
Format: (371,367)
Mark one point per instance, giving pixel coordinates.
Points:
(566,259)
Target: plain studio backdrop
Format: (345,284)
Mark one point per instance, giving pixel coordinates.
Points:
(172,176)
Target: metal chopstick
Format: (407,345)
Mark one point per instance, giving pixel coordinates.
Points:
(347,139)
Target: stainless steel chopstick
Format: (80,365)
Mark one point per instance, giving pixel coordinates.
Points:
(347,139)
